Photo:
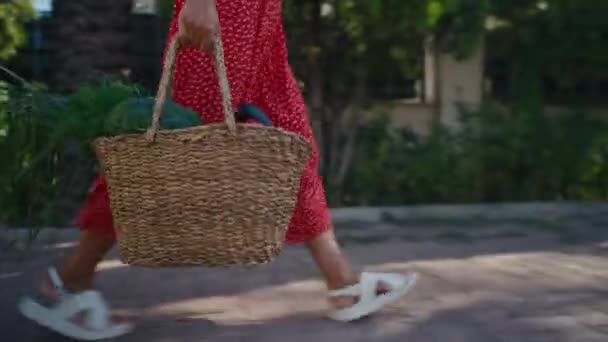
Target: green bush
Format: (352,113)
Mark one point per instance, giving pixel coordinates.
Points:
(27,161)
(496,156)
(46,160)
(46,163)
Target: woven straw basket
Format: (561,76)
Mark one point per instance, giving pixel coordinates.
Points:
(214,195)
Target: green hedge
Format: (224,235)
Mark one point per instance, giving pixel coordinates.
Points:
(46,163)
(496,156)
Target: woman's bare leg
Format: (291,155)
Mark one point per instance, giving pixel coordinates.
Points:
(327,253)
(78,271)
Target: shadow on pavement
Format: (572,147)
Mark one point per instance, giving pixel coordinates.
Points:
(534,315)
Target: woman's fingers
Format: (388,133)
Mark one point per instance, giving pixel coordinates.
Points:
(198,24)
(194,35)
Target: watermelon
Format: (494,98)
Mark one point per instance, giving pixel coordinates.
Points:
(134,115)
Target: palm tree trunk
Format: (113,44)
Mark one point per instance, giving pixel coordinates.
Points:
(91,39)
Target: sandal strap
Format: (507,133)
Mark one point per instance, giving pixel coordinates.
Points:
(369,300)
(57,282)
(97,310)
(97,313)
(349,291)
(369,285)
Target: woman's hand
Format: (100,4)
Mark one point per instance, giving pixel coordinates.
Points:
(198,24)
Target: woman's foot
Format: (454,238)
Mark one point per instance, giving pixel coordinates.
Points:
(341,302)
(354,296)
(370,294)
(79,315)
(51,292)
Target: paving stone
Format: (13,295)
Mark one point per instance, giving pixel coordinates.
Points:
(528,288)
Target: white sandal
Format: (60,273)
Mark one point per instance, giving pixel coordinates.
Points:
(97,324)
(369,301)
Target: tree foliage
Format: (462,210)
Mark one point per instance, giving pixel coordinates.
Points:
(13,17)
(339,50)
(458,25)
(565,41)
(339,47)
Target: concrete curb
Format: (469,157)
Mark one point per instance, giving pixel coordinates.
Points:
(505,211)
(374,215)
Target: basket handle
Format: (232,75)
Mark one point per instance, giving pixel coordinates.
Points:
(164,87)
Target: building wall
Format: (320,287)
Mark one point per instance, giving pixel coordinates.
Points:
(448,84)
(460,83)
(418,117)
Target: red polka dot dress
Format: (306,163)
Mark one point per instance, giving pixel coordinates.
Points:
(258,73)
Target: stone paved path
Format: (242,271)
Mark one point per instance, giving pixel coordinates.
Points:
(481,282)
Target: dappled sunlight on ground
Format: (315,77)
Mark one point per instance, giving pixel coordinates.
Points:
(444,285)
(10,275)
(266,303)
(61,245)
(530,288)
(110,264)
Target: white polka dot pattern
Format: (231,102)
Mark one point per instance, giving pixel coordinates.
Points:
(258,73)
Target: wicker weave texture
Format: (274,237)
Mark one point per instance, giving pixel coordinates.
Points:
(203,196)
(215,195)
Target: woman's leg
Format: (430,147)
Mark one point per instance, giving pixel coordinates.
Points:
(65,303)
(335,267)
(311,224)
(78,272)
(96,239)
(328,256)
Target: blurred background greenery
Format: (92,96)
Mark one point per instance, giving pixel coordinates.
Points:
(412,101)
